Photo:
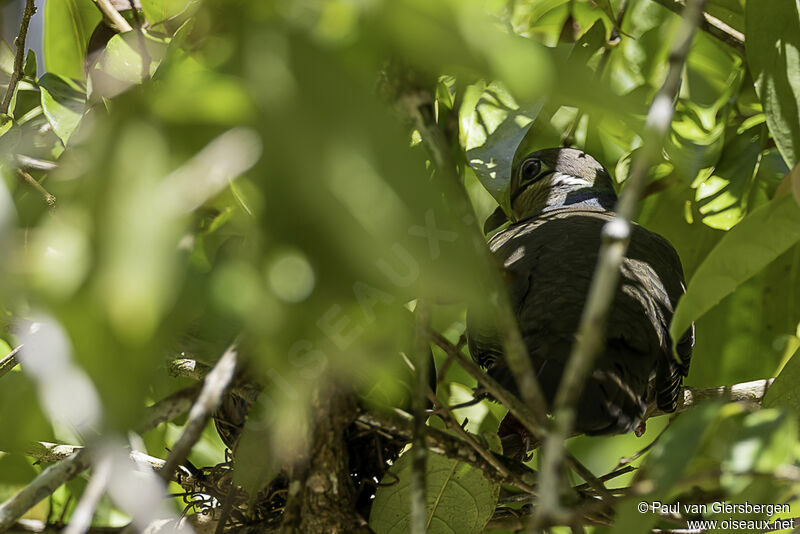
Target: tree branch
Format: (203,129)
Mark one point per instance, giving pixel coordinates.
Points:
(19,57)
(55,452)
(497,391)
(169,408)
(519,475)
(43,485)
(111,13)
(711,25)
(616,233)
(74,460)
(215,384)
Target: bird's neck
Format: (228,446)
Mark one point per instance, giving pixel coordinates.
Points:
(586,196)
(575,196)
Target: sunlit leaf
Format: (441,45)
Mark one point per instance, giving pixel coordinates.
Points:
(773,53)
(493,125)
(667,462)
(159,11)
(68,25)
(783,393)
(63,103)
(6,58)
(746,249)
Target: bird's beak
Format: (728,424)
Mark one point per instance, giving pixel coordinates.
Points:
(495,220)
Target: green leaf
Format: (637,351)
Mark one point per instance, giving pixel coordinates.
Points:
(744,251)
(29,69)
(63,103)
(784,391)
(666,463)
(492,126)
(124,63)
(773,53)
(724,195)
(731,12)
(6,58)
(158,11)
(459,498)
(68,25)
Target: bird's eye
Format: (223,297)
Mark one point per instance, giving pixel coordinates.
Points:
(530,170)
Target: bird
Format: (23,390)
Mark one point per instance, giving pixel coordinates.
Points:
(560,199)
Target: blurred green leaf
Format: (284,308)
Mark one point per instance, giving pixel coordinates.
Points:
(15,469)
(189,92)
(125,63)
(68,25)
(746,249)
(6,59)
(773,54)
(783,393)
(459,498)
(63,103)
(159,11)
(667,462)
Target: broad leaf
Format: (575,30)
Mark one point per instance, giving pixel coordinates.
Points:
(773,53)
(666,463)
(63,103)
(459,498)
(159,11)
(784,392)
(492,126)
(68,25)
(744,251)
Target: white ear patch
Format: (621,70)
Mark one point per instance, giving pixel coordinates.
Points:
(567,179)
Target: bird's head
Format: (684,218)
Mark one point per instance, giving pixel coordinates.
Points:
(551,176)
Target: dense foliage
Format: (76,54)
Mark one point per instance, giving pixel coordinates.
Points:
(290,176)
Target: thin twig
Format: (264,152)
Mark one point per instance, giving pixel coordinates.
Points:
(9,361)
(420,109)
(216,383)
(46,452)
(711,25)
(113,16)
(146,60)
(502,395)
(31,181)
(419,451)
(616,233)
(440,442)
(19,57)
(445,413)
(586,474)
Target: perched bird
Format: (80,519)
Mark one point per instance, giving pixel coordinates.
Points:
(560,200)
